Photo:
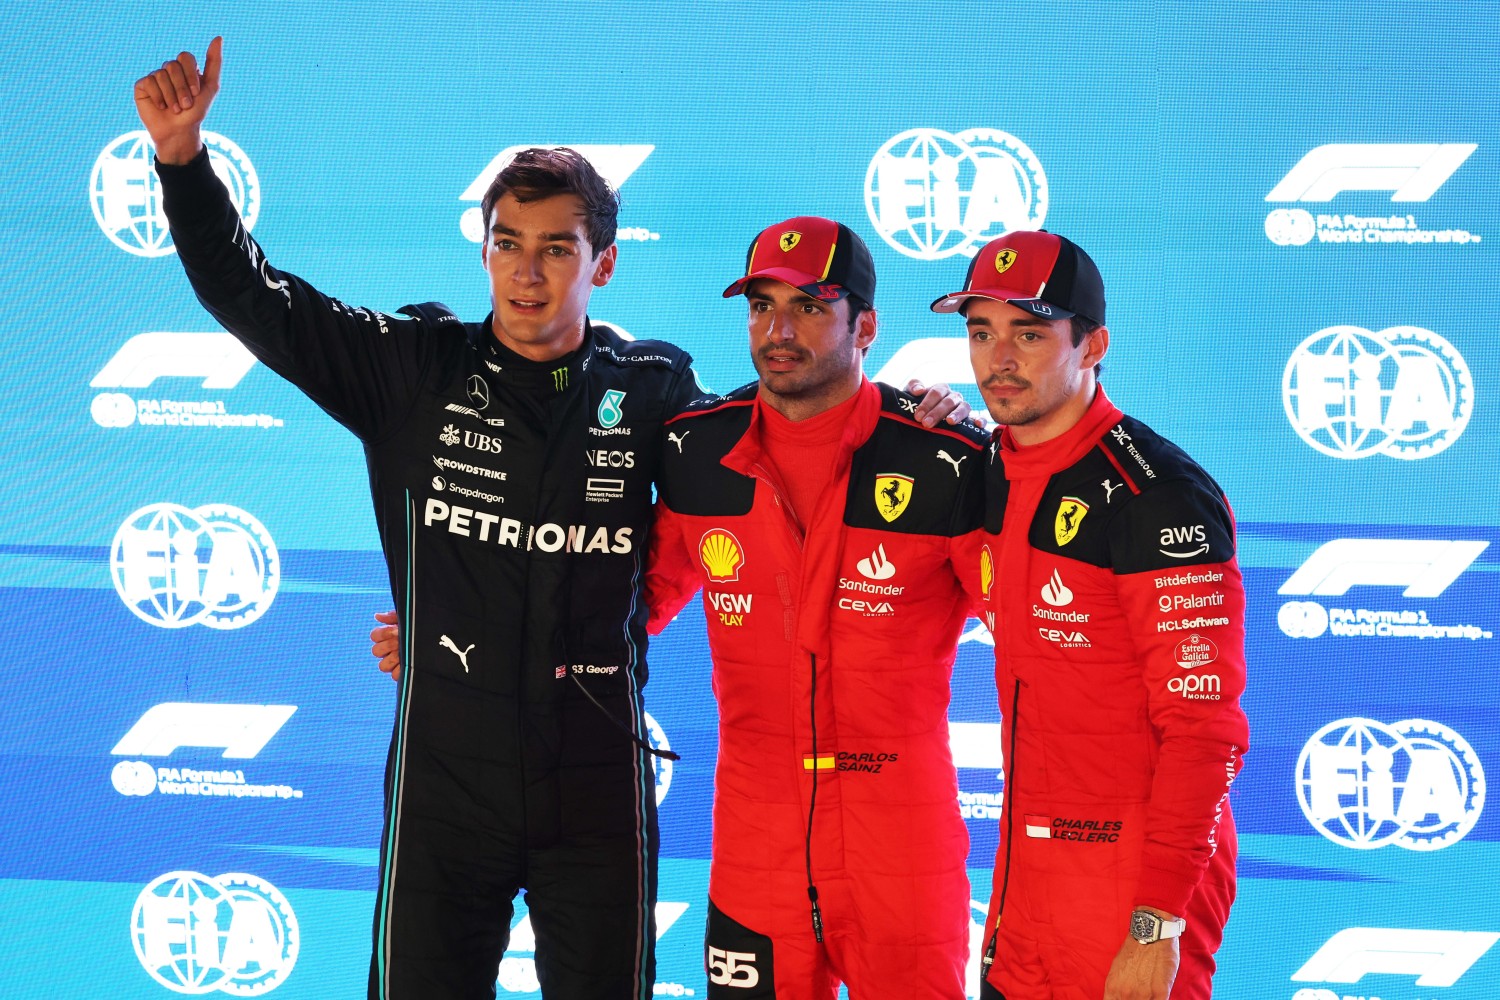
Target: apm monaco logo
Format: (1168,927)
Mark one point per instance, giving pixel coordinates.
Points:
(932,194)
(1403,392)
(232,933)
(1364,784)
(615,163)
(126,193)
(215,565)
(1411,171)
(213,360)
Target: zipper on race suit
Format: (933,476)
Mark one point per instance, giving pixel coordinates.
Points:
(1009,808)
(793,522)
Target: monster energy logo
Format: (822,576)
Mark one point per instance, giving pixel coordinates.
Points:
(559,379)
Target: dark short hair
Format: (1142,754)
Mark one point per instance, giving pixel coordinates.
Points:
(537,173)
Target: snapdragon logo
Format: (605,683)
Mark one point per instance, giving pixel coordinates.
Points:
(932,194)
(1403,392)
(211,360)
(1411,171)
(215,565)
(517,973)
(232,933)
(1415,784)
(126,193)
(615,163)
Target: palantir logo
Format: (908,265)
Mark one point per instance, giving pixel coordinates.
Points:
(126,193)
(932,194)
(215,565)
(1403,392)
(615,163)
(235,933)
(1364,784)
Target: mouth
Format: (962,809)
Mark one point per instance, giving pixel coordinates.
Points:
(526,306)
(780,360)
(1004,388)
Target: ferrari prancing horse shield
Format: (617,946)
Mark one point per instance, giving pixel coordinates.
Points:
(1069,517)
(892,494)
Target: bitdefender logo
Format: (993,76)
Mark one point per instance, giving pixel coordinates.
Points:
(126,193)
(933,194)
(1403,392)
(215,565)
(615,163)
(233,933)
(1412,172)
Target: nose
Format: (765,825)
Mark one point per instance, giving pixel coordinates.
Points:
(528,269)
(779,327)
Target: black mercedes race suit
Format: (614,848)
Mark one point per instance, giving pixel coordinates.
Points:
(513,500)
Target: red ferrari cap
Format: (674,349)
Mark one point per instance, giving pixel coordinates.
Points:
(821,257)
(1047,275)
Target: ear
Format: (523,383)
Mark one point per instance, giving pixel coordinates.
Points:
(865,329)
(484,254)
(1095,347)
(604,267)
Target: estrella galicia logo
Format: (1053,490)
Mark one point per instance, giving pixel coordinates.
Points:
(215,565)
(235,933)
(610,413)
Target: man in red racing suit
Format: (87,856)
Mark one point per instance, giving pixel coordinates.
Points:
(827,528)
(1118,610)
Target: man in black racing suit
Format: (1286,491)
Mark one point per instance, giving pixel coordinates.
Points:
(510,465)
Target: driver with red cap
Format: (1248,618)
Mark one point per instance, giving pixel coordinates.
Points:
(834,537)
(1119,654)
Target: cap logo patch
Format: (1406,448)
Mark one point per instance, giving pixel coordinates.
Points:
(789,240)
(1004,258)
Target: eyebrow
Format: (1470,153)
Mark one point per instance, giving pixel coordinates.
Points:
(562,237)
(797,299)
(1035,321)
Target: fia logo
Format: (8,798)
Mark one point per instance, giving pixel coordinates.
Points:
(126,193)
(235,933)
(215,565)
(1403,392)
(932,194)
(1364,784)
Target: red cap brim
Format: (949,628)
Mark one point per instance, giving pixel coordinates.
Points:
(788,275)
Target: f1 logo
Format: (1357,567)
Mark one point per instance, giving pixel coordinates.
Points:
(217,358)
(1425,567)
(1436,958)
(239,730)
(1411,171)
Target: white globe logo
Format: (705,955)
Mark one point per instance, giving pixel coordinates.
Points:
(125,191)
(1403,392)
(1290,227)
(1416,784)
(233,933)
(932,194)
(215,566)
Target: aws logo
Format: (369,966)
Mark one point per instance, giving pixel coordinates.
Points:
(721,555)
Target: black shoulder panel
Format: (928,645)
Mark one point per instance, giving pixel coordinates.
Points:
(610,346)
(1135,502)
(915,480)
(693,481)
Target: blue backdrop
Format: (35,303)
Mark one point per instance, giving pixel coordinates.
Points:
(1294,207)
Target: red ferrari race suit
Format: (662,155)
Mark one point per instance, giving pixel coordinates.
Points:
(1119,658)
(833,633)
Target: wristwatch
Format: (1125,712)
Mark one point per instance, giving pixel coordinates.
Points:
(1147,927)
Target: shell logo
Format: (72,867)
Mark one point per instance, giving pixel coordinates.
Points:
(722,555)
(986,572)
